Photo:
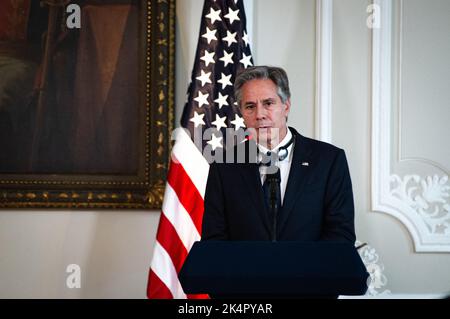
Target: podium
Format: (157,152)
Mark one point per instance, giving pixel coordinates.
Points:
(233,269)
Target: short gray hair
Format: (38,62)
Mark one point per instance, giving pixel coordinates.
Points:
(276,74)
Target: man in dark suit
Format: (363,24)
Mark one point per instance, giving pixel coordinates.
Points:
(315,198)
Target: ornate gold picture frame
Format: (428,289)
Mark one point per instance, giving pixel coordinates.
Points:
(86,113)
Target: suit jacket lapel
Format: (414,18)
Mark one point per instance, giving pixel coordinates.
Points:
(297,177)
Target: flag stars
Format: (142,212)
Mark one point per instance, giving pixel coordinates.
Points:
(204,77)
(245,38)
(238,122)
(221,100)
(210,35)
(227,58)
(214,15)
(208,57)
(246,60)
(219,122)
(202,99)
(215,142)
(197,119)
(230,38)
(232,15)
(225,80)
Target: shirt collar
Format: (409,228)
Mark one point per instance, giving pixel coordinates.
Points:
(285,140)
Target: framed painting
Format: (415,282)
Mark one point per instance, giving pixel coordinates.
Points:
(86,103)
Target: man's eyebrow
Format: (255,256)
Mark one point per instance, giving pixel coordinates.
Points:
(270,99)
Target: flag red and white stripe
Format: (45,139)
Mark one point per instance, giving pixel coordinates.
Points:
(223,49)
(181,218)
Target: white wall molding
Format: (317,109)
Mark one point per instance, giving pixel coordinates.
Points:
(420,203)
(324,63)
(377,279)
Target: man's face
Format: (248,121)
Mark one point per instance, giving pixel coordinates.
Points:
(263,112)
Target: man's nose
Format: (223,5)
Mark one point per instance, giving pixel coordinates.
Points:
(260,112)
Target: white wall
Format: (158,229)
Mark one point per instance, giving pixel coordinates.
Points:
(114,248)
(406,270)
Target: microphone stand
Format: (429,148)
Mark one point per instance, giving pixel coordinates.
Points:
(274,182)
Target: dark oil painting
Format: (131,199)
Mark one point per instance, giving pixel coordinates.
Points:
(85,112)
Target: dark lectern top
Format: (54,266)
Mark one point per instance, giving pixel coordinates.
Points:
(274,268)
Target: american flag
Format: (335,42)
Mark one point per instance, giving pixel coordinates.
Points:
(223,50)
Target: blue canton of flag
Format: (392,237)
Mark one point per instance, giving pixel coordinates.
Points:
(223,50)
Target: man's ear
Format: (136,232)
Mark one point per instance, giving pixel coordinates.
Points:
(288,106)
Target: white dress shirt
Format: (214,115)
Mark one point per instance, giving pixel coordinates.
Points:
(284,165)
